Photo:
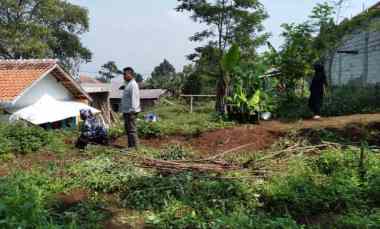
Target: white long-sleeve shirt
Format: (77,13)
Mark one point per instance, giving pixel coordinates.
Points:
(131,98)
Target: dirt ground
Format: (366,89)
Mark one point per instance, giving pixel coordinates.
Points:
(258,137)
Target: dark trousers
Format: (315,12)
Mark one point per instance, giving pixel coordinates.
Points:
(315,104)
(131,129)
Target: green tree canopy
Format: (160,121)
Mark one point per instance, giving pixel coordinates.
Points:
(139,78)
(109,71)
(163,70)
(228,22)
(43,29)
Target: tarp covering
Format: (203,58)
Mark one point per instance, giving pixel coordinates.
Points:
(49,110)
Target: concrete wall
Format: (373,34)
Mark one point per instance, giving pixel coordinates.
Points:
(361,69)
(47,86)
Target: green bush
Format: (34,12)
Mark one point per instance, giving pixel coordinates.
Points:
(369,220)
(22,201)
(148,129)
(22,138)
(104,174)
(335,161)
(5,144)
(374,186)
(305,192)
(27,200)
(352,100)
(175,152)
(186,201)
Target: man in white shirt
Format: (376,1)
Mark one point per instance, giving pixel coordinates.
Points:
(130,106)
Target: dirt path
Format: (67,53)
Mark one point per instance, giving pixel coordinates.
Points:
(332,122)
(256,137)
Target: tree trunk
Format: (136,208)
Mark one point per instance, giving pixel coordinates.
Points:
(221,94)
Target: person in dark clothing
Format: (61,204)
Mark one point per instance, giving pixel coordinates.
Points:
(317,90)
(91,131)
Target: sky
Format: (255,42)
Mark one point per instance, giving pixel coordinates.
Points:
(141,33)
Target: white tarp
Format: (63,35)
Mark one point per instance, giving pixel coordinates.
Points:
(48,110)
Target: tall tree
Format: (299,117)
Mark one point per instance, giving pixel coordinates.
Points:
(109,71)
(139,77)
(296,57)
(162,75)
(229,22)
(163,70)
(43,29)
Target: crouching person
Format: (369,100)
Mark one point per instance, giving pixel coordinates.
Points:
(92,131)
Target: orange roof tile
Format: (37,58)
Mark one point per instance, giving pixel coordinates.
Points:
(17,75)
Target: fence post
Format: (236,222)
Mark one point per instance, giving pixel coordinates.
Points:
(191,104)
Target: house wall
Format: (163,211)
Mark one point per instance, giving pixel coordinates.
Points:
(47,86)
(361,69)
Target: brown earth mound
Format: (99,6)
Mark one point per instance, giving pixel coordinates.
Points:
(73,197)
(250,138)
(4,172)
(247,138)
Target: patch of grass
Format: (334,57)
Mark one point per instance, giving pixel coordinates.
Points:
(27,201)
(104,174)
(176,119)
(186,201)
(175,152)
(23,139)
(354,220)
(330,184)
(352,100)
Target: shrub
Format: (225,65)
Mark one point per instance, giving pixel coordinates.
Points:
(304,192)
(175,152)
(27,200)
(356,220)
(374,186)
(104,174)
(23,199)
(21,138)
(334,161)
(352,100)
(5,144)
(149,129)
(185,201)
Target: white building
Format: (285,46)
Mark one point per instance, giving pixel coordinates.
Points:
(40,92)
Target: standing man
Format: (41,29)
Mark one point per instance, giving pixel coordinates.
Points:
(131,106)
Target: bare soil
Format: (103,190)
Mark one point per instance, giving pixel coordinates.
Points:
(4,172)
(259,137)
(73,197)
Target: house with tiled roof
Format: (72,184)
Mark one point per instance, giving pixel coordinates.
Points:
(40,91)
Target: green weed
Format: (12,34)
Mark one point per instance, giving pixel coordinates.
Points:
(104,174)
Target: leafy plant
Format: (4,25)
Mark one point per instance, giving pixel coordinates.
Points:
(104,174)
(175,152)
(251,93)
(149,129)
(20,138)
